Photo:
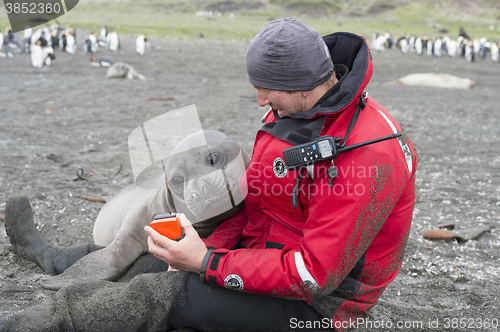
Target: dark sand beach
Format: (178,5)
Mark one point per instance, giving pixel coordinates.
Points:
(69,116)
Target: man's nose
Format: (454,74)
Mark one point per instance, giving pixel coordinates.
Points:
(262,99)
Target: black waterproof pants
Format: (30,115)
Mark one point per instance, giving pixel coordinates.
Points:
(213,308)
(161,302)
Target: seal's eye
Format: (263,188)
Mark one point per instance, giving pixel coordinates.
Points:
(215,159)
(176,184)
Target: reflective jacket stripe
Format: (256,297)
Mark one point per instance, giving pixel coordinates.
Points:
(404,147)
(303,272)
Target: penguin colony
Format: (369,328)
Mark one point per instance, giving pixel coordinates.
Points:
(64,39)
(471,49)
(42,42)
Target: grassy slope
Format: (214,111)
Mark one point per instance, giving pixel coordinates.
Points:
(176,19)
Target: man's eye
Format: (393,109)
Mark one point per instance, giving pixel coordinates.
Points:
(215,159)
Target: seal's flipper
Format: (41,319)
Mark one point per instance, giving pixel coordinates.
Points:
(29,244)
(146,263)
(109,263)
(98,265)
(141,304)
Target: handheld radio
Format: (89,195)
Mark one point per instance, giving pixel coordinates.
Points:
(322,148)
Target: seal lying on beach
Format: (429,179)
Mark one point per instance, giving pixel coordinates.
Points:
(123,70)
(202,181)
(435,80)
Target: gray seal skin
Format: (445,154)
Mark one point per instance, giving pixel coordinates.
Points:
(123,70)
(202,181)
(209,188)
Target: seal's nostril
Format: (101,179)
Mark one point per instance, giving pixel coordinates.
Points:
(204,189)
(198,188)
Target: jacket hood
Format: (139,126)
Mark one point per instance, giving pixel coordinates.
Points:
(351,57)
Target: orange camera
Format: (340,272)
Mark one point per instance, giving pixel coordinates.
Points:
(167,225)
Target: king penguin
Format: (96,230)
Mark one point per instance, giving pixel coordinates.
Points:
(28,32)
(102,37)
(494,52)
(37,55)
(48,55)
(113,41)
(87,46)
(62,41)
(70,41)
(140,44)
(4,50)
(99,62)
(94,45)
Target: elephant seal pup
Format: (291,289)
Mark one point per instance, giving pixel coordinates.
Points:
(202,181)
(123,70)
(436,80)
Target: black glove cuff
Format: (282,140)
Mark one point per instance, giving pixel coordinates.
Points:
(204,264)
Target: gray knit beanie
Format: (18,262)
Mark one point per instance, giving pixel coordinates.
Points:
(288,55)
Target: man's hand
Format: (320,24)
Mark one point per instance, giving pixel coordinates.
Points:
(187,254)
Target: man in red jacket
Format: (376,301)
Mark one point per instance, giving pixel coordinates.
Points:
(319,238)
(327,236)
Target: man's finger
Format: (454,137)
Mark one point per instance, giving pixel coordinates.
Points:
(153,235)
(157,250)
(184,220)
(186,224)
(151,232)
(152,243)
(156,237)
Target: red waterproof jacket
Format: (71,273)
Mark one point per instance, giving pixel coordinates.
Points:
(344,242)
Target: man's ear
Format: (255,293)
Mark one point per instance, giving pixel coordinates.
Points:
(305,93)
